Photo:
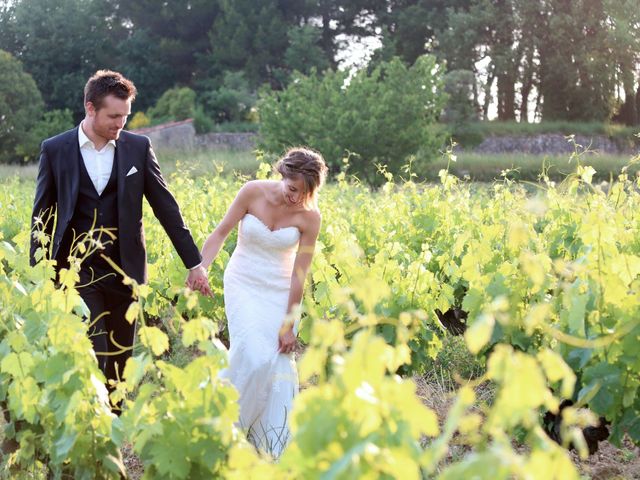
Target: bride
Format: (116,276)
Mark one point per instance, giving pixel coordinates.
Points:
(263,283)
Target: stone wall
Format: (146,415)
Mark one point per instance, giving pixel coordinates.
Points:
(227,141)
(551,144)
(182,136)
(170,136)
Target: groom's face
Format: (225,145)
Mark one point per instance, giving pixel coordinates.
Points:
(109,120)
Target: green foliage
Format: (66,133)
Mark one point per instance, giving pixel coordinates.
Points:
(52,391)
(377,117)
(159,35)
(363,412)
(52,123)
(20,107)
(250,37)
(304,52)
(583,88)
(549,278)
(232,102)
(251,126)
(201,121)
(576,58)
(454,361)
(460,108)
(143,59)
(61,63)
(411,29)
(190,405)
(480,167)
(139,120)
(266,42)
(175,104)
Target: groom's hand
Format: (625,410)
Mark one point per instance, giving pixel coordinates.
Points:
(197,279)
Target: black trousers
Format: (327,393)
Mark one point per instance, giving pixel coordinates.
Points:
(110,333)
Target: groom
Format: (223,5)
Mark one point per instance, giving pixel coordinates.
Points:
(95,177)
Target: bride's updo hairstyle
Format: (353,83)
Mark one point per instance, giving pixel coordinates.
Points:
(300,162)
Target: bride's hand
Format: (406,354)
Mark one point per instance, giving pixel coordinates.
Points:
(197,280)
(286,341)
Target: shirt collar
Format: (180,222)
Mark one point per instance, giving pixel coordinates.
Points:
(83,140)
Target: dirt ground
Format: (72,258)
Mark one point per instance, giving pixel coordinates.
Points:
(611,462)
(608,463)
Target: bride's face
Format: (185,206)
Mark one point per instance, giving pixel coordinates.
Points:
(293,191)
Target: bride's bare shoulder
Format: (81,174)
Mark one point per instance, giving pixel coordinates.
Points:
(312,219)
(255,187)
(263,186)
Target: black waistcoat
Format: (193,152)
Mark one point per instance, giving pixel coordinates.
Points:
(103,209)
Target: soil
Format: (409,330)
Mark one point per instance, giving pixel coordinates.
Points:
(611,462)
(608,463)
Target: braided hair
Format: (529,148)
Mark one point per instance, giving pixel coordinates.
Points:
(302,162)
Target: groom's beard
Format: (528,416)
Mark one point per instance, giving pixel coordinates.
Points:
(113,134)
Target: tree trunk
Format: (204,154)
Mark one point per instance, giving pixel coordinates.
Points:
(476,95)
(487,93)
(527,86)
(537,114)
(506,97)
(327,40)
(629,110)
(638,105)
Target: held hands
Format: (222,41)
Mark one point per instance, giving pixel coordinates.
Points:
(197,279)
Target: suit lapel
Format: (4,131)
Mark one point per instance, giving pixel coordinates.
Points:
(123,165)
(72,168)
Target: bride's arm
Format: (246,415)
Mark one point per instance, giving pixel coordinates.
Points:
(236,211)
(300,269)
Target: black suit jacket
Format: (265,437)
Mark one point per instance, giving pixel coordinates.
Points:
(58,185)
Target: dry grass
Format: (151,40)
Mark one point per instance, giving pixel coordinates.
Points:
(24,172)
(195,163)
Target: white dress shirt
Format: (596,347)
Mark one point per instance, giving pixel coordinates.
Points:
(98,163)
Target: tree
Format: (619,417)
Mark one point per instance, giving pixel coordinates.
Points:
(624,18)
(232,102)
(61,43)
(339,20)
(51,123)
(159,35)
(252,37)
(577,79)
(21,106)
(500,33)
(143,62)
(576,54)
(174,104)
(459,109)
(382,116)
(411,28)
(269,39)
(304,51)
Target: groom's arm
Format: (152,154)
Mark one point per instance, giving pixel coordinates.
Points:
(43,204)
(167,211)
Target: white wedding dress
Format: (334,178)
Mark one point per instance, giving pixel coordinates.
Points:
(257,281)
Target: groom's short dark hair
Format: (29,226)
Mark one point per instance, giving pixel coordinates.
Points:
(108,82)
